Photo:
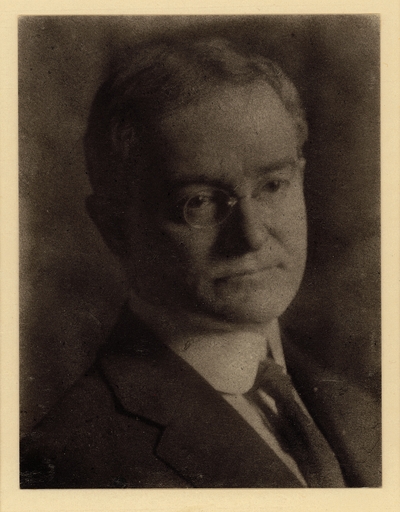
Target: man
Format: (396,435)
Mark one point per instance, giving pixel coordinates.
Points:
(195,157)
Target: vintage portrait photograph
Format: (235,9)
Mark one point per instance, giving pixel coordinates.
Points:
(200,251)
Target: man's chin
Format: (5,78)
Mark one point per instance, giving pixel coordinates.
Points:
(251,298)
(249,310)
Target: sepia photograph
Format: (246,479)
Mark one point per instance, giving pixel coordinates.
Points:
(200,251)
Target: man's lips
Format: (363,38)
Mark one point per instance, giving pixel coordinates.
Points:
(249,273)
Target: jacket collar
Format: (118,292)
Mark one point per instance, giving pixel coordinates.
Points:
(199,429)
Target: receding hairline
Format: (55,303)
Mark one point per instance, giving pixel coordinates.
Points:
(233,99)
(162,79)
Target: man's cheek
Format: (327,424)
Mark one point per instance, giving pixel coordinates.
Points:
(188,246)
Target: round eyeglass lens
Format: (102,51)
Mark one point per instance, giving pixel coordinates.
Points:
(207,208)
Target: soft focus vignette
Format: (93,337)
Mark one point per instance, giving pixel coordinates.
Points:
(71,288)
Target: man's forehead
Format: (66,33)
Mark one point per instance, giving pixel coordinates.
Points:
(235,126)
(255,103)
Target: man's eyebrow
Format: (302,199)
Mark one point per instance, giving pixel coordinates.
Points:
(202,179)
(277,165)
(196,180)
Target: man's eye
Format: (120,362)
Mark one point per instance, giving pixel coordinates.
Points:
(273,185)
(199,201)
(207,208)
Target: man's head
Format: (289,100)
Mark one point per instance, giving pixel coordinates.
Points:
(194,154)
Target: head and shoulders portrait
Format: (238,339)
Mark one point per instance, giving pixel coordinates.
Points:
(200,291)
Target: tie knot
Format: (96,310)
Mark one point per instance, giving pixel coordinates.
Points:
(273,379)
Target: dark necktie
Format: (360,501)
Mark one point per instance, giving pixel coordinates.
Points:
(295,430)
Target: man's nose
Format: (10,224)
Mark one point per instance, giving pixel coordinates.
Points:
(252,225)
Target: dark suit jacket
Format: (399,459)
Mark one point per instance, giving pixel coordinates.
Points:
(142,417)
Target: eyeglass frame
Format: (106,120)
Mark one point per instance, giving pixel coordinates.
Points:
(232,201)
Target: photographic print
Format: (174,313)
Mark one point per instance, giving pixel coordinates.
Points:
(200,252)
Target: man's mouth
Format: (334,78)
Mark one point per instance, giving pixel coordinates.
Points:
(250,273)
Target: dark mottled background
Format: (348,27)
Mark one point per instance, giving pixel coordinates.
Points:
(72,288)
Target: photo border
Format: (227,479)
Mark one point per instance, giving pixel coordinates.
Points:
(12,499)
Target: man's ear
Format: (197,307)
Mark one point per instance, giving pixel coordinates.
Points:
(109,222)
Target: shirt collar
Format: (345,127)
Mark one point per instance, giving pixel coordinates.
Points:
(224,354)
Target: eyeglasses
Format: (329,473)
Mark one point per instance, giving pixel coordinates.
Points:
(212,206)
(208,208)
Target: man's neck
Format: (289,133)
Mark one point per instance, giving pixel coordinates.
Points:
(227,355)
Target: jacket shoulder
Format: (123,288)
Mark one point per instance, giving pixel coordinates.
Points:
(86,441)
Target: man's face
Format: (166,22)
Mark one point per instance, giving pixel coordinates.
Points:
(247,269)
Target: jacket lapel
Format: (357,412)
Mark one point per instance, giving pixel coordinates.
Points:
(203,438)
(347,415)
